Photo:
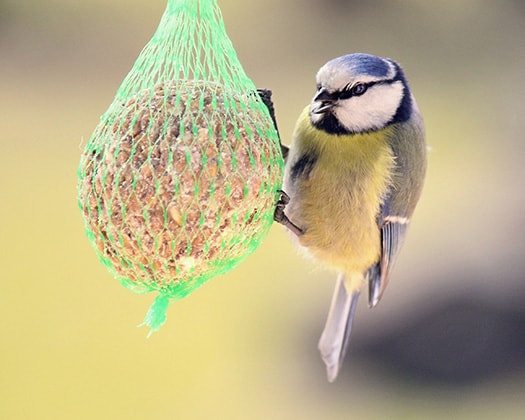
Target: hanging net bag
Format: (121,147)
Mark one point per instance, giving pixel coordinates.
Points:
(179,180)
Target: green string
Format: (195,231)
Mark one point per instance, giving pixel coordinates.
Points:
(156,316)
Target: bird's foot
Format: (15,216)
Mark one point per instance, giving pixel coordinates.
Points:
(280,216)
(266,98)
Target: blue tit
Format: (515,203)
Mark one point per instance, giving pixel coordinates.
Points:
(353,176)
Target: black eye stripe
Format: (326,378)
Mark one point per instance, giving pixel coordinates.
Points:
(344,94)
(349,92)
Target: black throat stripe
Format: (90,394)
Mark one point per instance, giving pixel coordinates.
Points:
(303,166)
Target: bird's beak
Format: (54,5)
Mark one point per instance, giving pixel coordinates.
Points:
(322,102)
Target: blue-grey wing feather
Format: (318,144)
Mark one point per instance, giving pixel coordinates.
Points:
(409,150)
(392,237)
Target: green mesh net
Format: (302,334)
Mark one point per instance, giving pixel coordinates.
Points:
(179,180)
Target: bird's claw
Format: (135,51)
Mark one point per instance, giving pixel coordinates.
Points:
(266,98)
(280,216)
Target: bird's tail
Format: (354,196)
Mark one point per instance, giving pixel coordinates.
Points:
(334,340)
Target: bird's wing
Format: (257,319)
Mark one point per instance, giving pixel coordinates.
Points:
(409,150)
(393,232)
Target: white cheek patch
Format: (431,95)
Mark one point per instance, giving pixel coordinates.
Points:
(371,111)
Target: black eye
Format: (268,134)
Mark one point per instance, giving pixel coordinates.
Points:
(358,89)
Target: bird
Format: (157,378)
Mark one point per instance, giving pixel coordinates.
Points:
(354,172)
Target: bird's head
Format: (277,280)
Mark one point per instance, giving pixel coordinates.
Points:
(359,93)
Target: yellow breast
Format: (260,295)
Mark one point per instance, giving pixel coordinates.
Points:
(337,201)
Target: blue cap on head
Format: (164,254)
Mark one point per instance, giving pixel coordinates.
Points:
(360,63)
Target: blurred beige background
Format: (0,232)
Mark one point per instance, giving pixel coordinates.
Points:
(244,346)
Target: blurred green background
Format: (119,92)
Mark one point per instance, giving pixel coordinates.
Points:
(447,341)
